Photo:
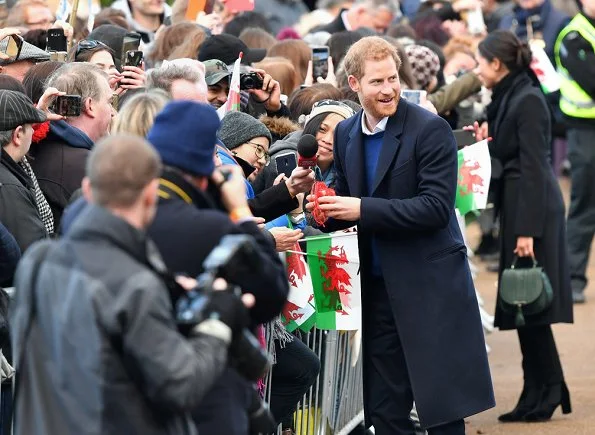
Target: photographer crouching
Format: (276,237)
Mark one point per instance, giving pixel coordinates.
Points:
(198,207)
(96,344)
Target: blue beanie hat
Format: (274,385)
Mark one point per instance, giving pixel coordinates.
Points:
(185,134)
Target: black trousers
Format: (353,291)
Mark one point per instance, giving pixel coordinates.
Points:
(296,370)
(388,396)
(541,362)
(580,227)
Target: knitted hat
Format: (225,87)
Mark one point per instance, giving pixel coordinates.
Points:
(185,134)
(327,106)
(238,128)
(424,64)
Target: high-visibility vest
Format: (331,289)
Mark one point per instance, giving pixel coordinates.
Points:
(574,101)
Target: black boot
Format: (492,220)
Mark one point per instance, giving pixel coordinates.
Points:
(527,402)
(552,396)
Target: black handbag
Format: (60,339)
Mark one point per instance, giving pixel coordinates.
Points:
(524,292)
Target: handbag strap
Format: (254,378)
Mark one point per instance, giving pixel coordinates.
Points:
(516,257)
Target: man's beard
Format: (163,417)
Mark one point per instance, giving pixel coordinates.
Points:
(378,111)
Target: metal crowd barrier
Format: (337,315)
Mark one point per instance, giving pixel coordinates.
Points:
(334,403)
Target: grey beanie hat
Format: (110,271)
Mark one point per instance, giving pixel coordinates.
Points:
(238,128)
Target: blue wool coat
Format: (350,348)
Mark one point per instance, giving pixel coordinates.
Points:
(423,258)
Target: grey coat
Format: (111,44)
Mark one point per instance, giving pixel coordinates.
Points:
(103,355)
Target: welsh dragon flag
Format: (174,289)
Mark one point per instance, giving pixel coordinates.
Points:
(475,170)
(543,68)
(333,260)
(299,309)
(233,98)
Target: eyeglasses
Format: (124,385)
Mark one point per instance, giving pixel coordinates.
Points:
(260,152)
(89,44)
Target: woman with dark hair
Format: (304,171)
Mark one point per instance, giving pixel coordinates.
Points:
(531,211)
(102,56)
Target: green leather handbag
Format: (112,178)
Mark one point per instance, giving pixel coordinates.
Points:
(524,292)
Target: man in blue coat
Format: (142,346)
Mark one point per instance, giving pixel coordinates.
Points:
(396,178)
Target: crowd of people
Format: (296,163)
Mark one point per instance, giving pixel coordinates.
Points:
(155,169)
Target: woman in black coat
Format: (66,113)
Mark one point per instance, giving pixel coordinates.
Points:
(531,211)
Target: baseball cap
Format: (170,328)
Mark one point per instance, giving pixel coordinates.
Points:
(227,48)
(17,109)
(28,52)
(215,71)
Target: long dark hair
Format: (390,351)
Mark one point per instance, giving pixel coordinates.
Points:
(507,48)
(314,124)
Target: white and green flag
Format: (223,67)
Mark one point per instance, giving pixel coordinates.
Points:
(298,311)
(333,260)
(475,170)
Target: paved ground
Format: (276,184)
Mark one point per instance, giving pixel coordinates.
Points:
(576,344)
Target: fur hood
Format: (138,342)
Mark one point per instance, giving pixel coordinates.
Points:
(279,127)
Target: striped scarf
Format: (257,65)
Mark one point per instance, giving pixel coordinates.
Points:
(42,205)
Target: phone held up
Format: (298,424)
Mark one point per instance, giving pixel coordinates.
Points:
(67,105)
(131,42)
(319,62)
(12,47)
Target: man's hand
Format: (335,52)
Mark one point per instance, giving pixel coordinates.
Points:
(344,208)
(524,247)
(68,30)
(301,180)
(285,239)
(480,131)
(232,187)
(132,77)
(45,102)
(269,94)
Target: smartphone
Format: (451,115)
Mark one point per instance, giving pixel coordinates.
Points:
(131,42)
(67,105)
(133,58)
(56,41)
(414,96)
(286,163)
(14,44)
(319,62)
(464,137)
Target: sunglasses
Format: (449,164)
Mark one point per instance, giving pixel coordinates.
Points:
(89,44)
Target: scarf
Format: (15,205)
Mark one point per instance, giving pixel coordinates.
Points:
(498,94)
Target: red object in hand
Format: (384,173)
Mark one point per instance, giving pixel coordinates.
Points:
(320,189)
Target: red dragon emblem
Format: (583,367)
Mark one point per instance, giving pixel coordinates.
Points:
(291,312)
(296,266)
(336,280)
(468,181)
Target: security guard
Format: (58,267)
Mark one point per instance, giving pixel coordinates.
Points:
(575,62)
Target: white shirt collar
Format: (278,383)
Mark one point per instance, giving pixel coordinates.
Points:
(345,21)
(381,126)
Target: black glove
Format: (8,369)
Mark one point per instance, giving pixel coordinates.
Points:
(227,308)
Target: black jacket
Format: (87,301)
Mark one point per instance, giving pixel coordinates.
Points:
(528,196)
(187,228)
(334,26)
(9,256)
(103,354)
(59,164)
(18,210)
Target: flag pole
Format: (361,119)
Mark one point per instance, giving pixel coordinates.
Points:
(72,21)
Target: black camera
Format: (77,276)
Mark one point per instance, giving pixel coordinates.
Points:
(234,254)
(250,81)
